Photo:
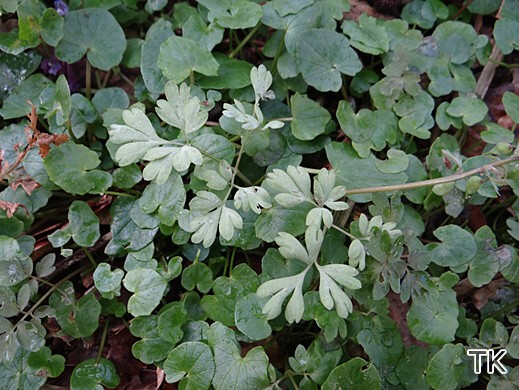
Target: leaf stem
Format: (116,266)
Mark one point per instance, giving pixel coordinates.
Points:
(68,125)
(88,80)
(117,193)
(244,41)
(90,257)
(50,291)
(432,182)
(102,343)
(279,51)
(192,77)
(343,232)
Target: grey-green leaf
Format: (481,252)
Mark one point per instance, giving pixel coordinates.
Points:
(93,31)
(322,55)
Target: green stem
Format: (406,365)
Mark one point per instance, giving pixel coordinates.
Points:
(192,77)
(432,182)
(50,291)
(68,125)
(88,80)
(343,231)
(245,40)
(117,193)
(236,167)
(103,341)
(504,64)
(90,257)
(231,265)
(273,67)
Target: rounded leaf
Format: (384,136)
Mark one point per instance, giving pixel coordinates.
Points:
(93,31)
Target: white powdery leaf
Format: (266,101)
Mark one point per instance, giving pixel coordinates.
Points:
(261,80)
(229,220)
(291,248)
(252,198)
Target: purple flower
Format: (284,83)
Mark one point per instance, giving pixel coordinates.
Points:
(51,65)
(61,7)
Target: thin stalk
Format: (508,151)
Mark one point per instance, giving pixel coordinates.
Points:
(431,182)
(90,257)
(273,67)
(68,125)
(117,193)
(339,229)
(244,41)
(231,265)
(102,344)
(50,291)
(192,77)
(236,167)
(88,80)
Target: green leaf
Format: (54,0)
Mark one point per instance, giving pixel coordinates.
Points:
(322,55)
(89,374)
(76,318)
(16,106)
(506,32)
(93,31)
(15,265)
(250,372)
(132,55)
(208,36)
(83,227)
(107,98)
(504,382)
(397,161)
(457,40)
(199,275)
(62,102)
(131,228)
(233,14)
(167,199)
(17,374)
(148,288)
(415,113)
(317,362)
(227,293)
(180,56)
(72,167)
(383,344)
(15,69)
(411,368)
(45,364)
(127,176)
(433,317)
(354,374)
(192,364)
(108,282)
(472,110)
(367,36)
(511,103)
(486,262)
(250,319)
(355,172)
(458,246)
(309,118)
(151,347)
(232,74)
(447,368)
(152,75)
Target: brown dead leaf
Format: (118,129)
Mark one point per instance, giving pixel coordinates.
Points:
(10,208)
(398,312)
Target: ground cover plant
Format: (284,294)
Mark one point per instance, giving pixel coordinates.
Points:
(239,194)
